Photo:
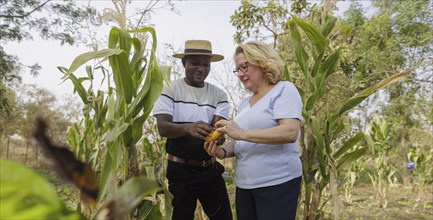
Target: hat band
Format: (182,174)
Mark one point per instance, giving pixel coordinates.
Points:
(197,51)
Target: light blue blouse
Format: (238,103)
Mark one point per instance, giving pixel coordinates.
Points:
(261,165)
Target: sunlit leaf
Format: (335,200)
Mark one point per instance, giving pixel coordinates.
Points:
(129,195)
(350,157)
(329,25)
(313,34)
(366,93)
(85,57)
(301,55)
(349,144)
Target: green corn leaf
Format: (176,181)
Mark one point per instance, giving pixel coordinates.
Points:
(157,86)
(137,129)
(320,91)
(136,62)
(85,57)
(117,131)
(145,209)
(119,64)
(113,38)
(151,30)
(79,88)
(312,33)
(127,137)
(329,65)
(350,157)
(301,91)
(325,70)
(17,174)
(324,182)
(124,41)
(366,93)
(310,102)
(89,72)
(107,178)
(317,63)
(349,144)
(301,55)
(129,196)
(21,199)
(311,84)
(318,135)
(122,76)
(329,25)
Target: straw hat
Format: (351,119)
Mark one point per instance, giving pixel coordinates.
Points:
(199,47)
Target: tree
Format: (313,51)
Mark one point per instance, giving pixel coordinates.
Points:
(395,38)
(19,19)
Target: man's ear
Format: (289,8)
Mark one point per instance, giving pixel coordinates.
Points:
(183,62)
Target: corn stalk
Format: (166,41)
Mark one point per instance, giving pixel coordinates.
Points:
(378,141)
(113,120)
(323,158)
(422,173)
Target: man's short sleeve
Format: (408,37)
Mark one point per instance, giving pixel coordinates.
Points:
(223,107)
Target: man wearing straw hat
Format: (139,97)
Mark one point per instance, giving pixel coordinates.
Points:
(185,115)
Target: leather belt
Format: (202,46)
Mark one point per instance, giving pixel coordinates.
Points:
(202,163)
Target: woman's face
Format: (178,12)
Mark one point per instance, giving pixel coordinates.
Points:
(251,76)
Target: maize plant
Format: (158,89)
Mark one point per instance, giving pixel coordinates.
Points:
(355,169)
(323,157)
(378,142)
(113,119)
(422,172)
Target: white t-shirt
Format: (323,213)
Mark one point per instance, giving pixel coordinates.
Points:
(188,104)
(261,165)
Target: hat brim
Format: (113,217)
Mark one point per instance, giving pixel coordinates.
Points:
(213,57)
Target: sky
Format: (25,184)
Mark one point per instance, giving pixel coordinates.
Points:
(205,19)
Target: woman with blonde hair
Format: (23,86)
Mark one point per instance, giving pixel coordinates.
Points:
(265,134)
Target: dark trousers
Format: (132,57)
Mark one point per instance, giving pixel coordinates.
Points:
(273,202)
(189,183)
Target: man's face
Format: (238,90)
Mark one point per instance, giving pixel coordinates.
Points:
(196,69)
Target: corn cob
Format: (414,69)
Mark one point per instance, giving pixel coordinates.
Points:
(213,136)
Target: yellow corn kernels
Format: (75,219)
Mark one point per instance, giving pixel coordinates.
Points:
(213,136)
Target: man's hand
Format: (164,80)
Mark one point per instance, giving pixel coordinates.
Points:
(199,129)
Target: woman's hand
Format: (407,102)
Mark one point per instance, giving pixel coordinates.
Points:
(231,129)
(213,150)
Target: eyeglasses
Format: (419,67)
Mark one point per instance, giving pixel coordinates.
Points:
(243,68)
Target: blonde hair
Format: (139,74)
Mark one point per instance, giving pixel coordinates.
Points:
(264,56)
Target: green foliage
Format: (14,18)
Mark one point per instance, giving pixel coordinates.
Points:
(423,172)
(21,200)
(322,164)
(252,20)
(383,170)
(19,20)
(115,118)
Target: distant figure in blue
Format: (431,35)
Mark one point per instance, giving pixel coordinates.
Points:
(265,133)
(186,114)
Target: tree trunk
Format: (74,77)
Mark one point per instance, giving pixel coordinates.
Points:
(7,149)
(405,172)
(27,152)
